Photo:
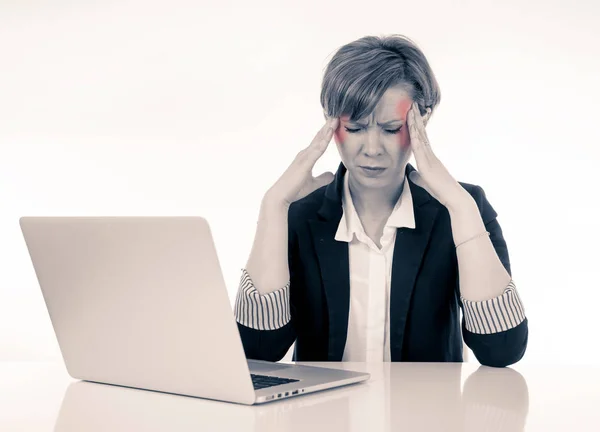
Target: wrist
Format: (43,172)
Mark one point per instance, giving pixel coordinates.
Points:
(272,202)
(461,202)
(465,219)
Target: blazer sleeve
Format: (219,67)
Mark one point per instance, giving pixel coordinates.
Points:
(265,322)
(496,330)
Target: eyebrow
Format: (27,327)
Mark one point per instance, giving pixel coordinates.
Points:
(387,123)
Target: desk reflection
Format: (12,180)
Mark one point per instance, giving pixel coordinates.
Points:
(424,397)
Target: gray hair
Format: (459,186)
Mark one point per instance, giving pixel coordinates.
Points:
(360,72)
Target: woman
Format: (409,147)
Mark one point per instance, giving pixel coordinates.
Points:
(374,262)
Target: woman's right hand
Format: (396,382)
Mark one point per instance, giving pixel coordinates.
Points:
(297,181)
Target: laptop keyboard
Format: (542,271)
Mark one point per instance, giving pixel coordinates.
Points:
(264,381)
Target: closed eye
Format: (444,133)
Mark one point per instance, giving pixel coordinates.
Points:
(392,131)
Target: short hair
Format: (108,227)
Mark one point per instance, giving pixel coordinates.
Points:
(360,72)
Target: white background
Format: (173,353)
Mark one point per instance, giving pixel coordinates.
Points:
(192,108)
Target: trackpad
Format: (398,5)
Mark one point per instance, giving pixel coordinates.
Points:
(261,368)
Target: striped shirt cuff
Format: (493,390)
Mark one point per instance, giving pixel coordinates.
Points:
(495,315)
(261,312)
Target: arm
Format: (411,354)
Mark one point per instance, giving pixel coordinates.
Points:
(263,310)
(494,327)
(262,307)
(494,323)
(268,261)
(484,274)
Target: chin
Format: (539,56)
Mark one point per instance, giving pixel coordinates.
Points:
(388,177)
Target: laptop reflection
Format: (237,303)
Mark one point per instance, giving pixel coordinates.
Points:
(425,397)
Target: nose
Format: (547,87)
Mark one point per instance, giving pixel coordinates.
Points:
(372,145)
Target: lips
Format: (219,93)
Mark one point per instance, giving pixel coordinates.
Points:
(371,171)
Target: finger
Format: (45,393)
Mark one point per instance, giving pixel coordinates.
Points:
(415,137)
(323,130)
(420,125)
(422,130)
(326,132)
(320,142)
(417,131)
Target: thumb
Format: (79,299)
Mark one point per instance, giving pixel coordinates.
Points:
(415,177)
(323,179)
(418,180)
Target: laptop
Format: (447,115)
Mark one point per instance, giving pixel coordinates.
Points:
(141,302)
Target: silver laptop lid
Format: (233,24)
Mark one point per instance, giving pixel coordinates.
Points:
(140,302)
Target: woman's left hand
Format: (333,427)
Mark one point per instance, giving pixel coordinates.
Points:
(432,175)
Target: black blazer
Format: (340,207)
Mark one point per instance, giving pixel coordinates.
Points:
(424,298)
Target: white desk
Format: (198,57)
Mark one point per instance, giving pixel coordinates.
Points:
(399,397)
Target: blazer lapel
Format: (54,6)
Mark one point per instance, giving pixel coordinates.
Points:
(409,249)
(334,265)
(333,261)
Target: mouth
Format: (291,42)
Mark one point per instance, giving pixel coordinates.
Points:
(371,168)
(371,171)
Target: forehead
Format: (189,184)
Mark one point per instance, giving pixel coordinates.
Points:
(391,100)
(394,104)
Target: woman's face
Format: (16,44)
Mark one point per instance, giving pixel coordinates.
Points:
(376,149)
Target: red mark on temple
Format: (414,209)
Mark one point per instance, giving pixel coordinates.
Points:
(402,110)
(340,133)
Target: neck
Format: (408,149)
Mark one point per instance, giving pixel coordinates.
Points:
(375,202)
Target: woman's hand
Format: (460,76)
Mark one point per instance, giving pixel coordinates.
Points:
(297,181)
(432,175)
